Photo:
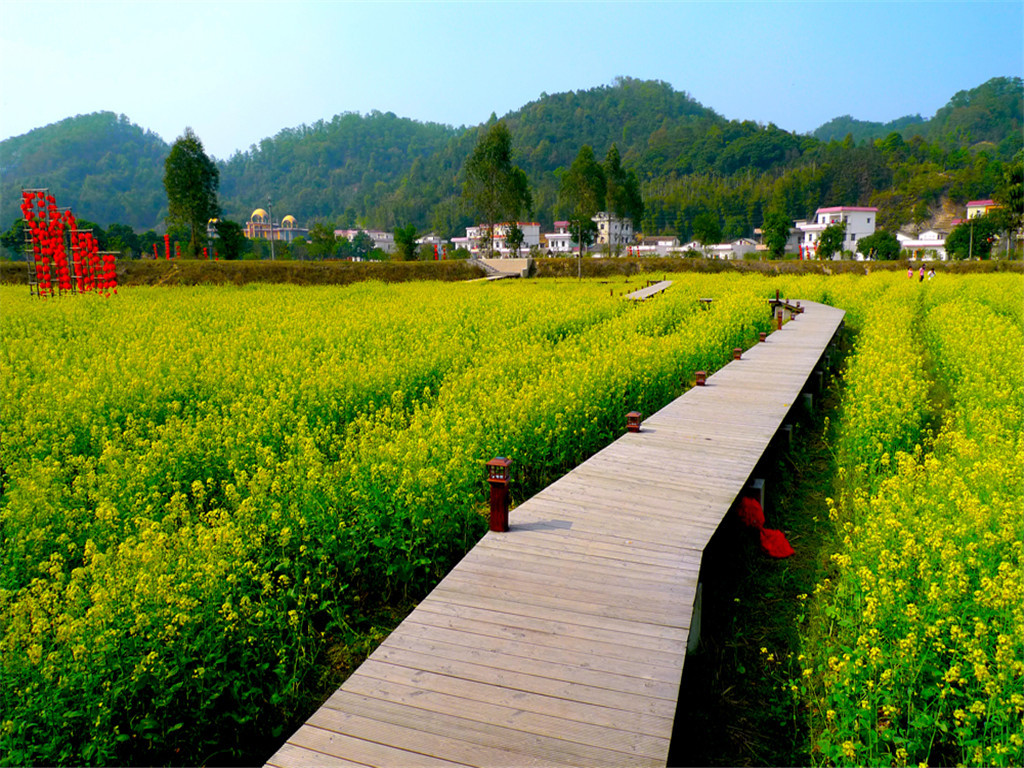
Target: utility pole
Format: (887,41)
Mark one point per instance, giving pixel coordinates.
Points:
(970,247)
(270,221)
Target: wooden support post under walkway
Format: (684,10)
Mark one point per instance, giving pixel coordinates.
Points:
(562,641)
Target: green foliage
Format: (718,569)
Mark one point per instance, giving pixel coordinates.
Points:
(831,240)
(405,242)
(322,242)
(233,242)
(191,180)
(514,237)
(361,246)
(973,238)
(581,193)
(707,229)
(882,245)
(775,232)
(1011,192)
(495,187)
(102,165)
(122,238)
(866,130)
(382,171)
(14,238)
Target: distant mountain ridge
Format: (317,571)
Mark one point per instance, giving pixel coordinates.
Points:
(990,113)
(381,170)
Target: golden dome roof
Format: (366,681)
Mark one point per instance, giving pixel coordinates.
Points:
(259,213)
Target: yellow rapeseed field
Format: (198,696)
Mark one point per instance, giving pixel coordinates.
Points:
(208,496)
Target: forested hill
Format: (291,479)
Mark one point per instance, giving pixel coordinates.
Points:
(102,165)
(380,170)
(991,113)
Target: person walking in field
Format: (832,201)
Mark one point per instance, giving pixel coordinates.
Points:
(910,273)
(920,277)
(931,273)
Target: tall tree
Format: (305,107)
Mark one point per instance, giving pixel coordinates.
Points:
(514,238)
(322,241)
(191,180)
(362,246)
(1011,192)
(707,229)
(831,240)
(882,245)
(775,232)
(582,190)
(233,242)
(405,242)
(973,238)
(493,185)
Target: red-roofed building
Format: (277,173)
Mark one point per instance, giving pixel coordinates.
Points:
(980,207)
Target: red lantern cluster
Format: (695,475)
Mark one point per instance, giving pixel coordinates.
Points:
(48,228)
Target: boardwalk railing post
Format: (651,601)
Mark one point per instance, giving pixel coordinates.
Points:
(498,475)
(737,353)
(701,378)
(633,421)
(762,336)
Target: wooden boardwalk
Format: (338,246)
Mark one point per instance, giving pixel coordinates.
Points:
(562,642)
(649,291)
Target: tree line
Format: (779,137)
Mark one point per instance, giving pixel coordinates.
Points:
(693,169)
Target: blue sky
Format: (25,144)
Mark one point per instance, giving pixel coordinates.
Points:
(237,72)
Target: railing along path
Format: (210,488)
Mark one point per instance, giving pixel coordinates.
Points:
(562,641)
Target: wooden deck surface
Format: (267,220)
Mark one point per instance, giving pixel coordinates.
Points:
(562,642)
(650,290)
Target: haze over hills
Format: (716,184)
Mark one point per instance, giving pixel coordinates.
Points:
(380,170)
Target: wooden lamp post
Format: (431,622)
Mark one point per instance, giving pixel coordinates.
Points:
(499,471)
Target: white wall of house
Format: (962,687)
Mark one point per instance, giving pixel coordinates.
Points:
(930,244)
(477,241)
(560,241)
(860,222)
(383,240)
(612,230)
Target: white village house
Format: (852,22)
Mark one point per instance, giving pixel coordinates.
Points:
(930,244)
(860,222)
(381,239)
(613,231)
(560,241)
(477,242)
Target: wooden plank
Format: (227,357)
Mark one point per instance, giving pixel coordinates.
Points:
(654,611)
(583,639)
(566,667)
(656,725)
(611,639)
(562,642)
(294,756)
(525,682)
(535,609)
(419,742)
(350,750)
(526,747)
(607,737)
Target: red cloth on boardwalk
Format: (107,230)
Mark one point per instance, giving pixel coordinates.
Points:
(773,542)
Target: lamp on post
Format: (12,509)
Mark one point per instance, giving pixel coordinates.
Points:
(499,471)
(633,421)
